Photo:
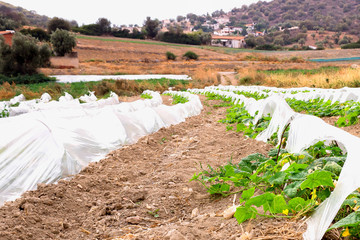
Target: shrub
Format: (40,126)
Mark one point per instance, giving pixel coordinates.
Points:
(190,55)
(351,45)
(170,56)
(62,42)
(24,57)
(37,33)
(25,79)
(58,23)
(268,47)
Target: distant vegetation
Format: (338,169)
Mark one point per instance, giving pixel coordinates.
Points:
(351,45)
(12,17)
(23,57)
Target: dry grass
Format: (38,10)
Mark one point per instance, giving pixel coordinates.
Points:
(345,77)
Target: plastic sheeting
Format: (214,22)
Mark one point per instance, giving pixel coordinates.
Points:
(304,93)
(306,130)
(45,145)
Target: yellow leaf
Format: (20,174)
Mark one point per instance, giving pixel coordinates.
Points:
(346,233)
(356,208)
(355,201)
(286,212)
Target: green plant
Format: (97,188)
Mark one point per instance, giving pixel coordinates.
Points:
(146,96)
(63,42)
(190,55)
(23,57)
(293,192)
(58,23)
(170,56)
(4,113)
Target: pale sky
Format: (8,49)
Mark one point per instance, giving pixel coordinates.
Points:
(125,11)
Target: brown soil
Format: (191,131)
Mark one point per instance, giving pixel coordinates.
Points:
(117,198)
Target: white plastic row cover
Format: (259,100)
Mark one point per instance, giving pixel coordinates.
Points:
(304,93)
(306,130)
(47,145)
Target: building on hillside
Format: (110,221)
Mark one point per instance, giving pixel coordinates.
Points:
(259,34)
(228,41)
(228,31)
(8,35)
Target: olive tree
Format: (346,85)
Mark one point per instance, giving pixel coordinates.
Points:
(63,42)
(23,57)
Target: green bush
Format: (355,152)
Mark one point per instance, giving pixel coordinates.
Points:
(351,45)
(267,47)
(170,56)
(63,42)
(26,79)
(58,23)
(190,55)
(37,33)
(23,57)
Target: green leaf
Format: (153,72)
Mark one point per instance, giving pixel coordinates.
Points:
(316,179)
(219,188)
(292,189)
(245,213)
(351,220)
(260,200)
(247,194)
(297,204)
(333,167)
(278,204)
(295,167)
(278,178)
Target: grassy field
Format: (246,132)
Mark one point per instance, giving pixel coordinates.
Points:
(107,56)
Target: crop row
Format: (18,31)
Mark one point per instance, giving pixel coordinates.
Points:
(299,180)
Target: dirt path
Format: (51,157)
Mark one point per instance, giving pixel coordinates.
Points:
(121,196)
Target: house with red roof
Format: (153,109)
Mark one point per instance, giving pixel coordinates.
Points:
(8,35)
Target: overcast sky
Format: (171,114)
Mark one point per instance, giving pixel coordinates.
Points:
(125,11)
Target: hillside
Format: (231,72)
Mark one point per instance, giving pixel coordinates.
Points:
(341,15)
(12,17)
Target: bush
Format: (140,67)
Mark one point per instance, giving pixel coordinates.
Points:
(58,23)
(351,45)
(62,42)
(37,33)
(190,55)
(268,47)
(25,79)
(24,57)
(170,56)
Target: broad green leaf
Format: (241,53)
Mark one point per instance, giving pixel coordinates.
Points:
(297,204)
(278,204)
(333,167)
(278,178)
(295,167)
(351,220)
(292,189)
(260,200)
(219,188)
(247,194)
(316,179)
(229,170)
(245,213)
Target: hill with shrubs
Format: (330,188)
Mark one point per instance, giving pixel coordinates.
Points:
(12,17)
(331,15)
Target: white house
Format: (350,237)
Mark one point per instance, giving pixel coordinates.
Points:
(228,41)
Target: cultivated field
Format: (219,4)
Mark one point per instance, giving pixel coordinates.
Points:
(142,191)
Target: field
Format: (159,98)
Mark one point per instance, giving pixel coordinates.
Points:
(143,191)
